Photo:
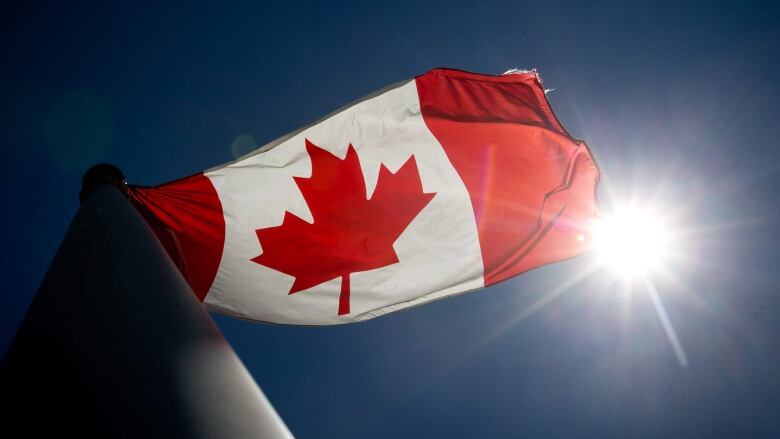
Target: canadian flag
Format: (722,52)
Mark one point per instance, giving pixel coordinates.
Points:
(432,187)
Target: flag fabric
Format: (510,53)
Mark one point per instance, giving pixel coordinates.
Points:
(435,186)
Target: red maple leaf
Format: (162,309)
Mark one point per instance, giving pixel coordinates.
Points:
(350,233)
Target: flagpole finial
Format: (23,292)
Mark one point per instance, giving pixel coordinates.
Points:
(102,173)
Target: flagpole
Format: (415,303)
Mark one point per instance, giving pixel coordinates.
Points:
(116,344)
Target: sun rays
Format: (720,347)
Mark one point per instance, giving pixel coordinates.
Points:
(633,245)
(636,246)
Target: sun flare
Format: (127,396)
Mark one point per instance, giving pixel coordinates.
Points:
(631,242)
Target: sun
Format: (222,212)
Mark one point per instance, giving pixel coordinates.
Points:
(631,242)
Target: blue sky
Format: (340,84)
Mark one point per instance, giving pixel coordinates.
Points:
(677,100)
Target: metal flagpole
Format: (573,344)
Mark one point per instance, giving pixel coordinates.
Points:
(116,344)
